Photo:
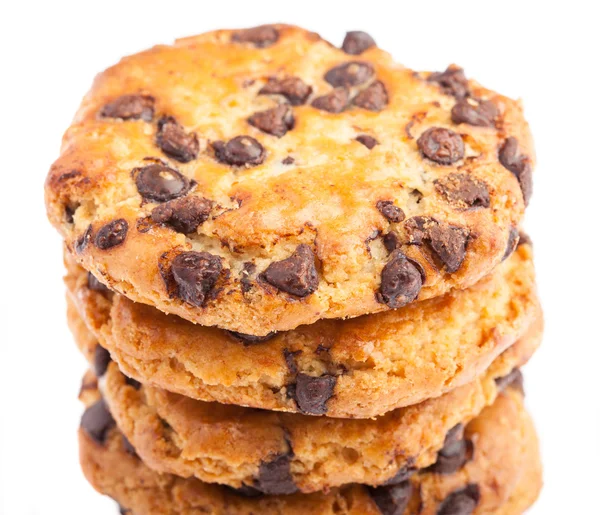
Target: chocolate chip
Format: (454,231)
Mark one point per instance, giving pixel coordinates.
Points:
(312,393)
(261,37)
(392,499)
(373,98)
(289,160)
(463,191)
(513,242)
(83,240)
(95,285)
(248,269)
(250,339)
(352,73)
(390,211)
(159,183)
(480,113)
(130,107)
(245,491)
(514,379)
(183,214)
(448,243)
(96,421)
(524,239)
(402,475)
(367,141)
(175,142)
(296,275)
(461,502)
(101,360)
(275,478)
(391,241)
(401,281)
(240,151)
(290,361)
(195,274)
(452,81)
(133,382)
(112,234)
(275,121)
(455,453)
(129,449)
(441,145)
(69,214)
(356,42)
(293,89)
(333,102)
(518,164)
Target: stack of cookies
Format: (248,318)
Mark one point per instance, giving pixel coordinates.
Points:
(298,276)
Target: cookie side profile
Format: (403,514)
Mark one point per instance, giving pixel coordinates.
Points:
(503,475)
(304,183)
(232,444)
(363,367)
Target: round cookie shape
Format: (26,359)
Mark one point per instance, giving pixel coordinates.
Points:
(275,129)
(233,444)
(503,477)
(356,368)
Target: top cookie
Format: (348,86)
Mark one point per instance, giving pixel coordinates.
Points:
(262,179)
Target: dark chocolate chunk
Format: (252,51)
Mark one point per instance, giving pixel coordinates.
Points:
(159,183)
(240,151)
(333,102)
(455,453)
(129,449)
(353,73)
(95,285)
(293,89)
(101,360)
(392,499)
(390,211)
(195,274)
(513,242)
(461,502)
(290,360)
(275,121)
(356,42)
(312,393)
(367,141)
(96,421)
(275,478)
(289,160)
(481,113)
(261,37)
(112,234)
(373,98)
(448,243)
(452,81)
(130,107)
(175,142)
(83,240)
(518,164)
(401,281)
(441,145)
(296,275)
(514,379)
(250,339)
(248,269)
(463,191)
(402,475)
(183,214)
(391,241)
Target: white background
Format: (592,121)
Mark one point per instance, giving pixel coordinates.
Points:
(544,54)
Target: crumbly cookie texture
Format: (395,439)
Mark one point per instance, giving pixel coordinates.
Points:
(502,476)
(233,445)
(261,184)
(363,367)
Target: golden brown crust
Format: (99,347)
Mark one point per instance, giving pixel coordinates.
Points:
(227,444)
(382,361)
(326,199)
(505,468)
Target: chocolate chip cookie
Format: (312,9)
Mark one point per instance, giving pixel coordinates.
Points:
(262,179)
(341,368)
(501,476)
(234,445)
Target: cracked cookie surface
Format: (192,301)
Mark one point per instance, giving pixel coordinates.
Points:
(359,368)
(502,476)
(234,179)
